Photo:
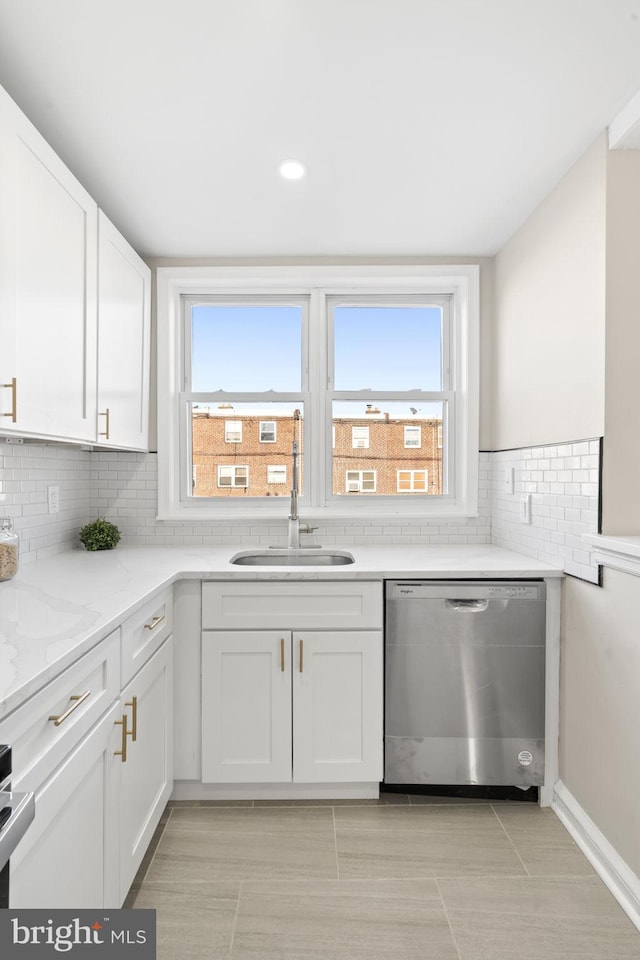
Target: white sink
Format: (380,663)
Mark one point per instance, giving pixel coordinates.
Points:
(305,557)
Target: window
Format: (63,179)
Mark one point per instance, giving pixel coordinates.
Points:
(412,481)
(267,431)
(233,476)
(413,435)
(233,431)
(276,474)
(360,481)
(370,372)
(359,437)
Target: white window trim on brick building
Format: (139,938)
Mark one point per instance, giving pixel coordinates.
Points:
(417,433)
(360,481)
(232,471)
(360,438)
(276,473)
(316,285)
(233,431)
(264,432)
(413,476)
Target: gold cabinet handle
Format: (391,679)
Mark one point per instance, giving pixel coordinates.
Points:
(13,386)
(106,424)
(122,752)
(282,654)
(155,622)
(133,703)
(77,699)
(301,655)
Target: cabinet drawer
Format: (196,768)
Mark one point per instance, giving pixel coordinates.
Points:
(49,725)
(297,604)
(144,632)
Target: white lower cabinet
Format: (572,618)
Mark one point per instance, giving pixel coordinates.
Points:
(145,758)
(66,858)
(282,706)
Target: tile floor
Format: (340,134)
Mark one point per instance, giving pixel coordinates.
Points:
(404,878)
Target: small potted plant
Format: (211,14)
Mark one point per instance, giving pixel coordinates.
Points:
(100,534)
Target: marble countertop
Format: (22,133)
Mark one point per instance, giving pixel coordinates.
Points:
(55,610)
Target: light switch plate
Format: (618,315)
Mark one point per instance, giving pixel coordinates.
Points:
(509,479)
(525,508)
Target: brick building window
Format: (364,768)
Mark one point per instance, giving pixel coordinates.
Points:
(267,431)
(360,481)
(233,476)
(412,481)
(412,436)
(276,474)
(233,431)
(359,438)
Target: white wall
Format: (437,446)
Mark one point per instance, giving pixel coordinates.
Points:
(569,278)
(550,314)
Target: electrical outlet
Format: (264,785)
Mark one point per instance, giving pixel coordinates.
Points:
(53,493)
(525,508)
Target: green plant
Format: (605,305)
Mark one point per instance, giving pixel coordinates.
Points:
(99,535)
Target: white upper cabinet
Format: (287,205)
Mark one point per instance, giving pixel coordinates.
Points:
(124,293)
(48,285)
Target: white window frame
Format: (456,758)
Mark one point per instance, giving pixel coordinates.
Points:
(357,478)
(232,427)
(413,446)
(275,431)
(277,466)
(313,286)
(361,442)
(233,485)
(412,474)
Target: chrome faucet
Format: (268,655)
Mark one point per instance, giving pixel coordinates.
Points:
(295,527)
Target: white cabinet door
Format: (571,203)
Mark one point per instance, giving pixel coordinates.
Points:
(337,706)
(246,706)
(146,770)
(124,290)
(48,248)
(68,856)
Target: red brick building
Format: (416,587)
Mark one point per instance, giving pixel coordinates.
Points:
(249,454)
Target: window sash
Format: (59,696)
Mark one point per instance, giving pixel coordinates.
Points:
(413,436)
(237,475)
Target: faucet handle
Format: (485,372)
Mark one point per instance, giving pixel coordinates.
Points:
(307,528)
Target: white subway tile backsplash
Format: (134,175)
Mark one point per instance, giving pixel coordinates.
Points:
(562,481)
(563,484)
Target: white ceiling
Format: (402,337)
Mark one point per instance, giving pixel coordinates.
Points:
(428,126)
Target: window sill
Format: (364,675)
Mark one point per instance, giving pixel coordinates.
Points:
(618,553)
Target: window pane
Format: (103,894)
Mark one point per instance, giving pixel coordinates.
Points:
(388,348)
(247,348)
(388,466)
(245,467)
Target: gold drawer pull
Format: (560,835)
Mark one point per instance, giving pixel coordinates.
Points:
(133,703)
(122,752)
(106,424)
(13,386)
(282,655)
(155,622)
(77,699)
(301,655)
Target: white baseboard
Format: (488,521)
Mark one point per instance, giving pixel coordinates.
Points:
(623,883)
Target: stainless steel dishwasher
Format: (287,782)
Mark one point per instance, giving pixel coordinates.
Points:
(464,682)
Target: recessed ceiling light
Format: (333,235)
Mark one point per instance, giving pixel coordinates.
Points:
(292,170)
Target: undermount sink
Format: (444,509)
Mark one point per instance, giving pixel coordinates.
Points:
(306,557)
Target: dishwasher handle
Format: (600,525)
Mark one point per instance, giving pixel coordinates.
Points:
(467,606)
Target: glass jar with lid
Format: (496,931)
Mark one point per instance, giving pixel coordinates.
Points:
(9,545)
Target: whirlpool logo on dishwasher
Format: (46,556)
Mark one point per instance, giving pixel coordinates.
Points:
(83,933)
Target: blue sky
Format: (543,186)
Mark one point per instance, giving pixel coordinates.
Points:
(257,347)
